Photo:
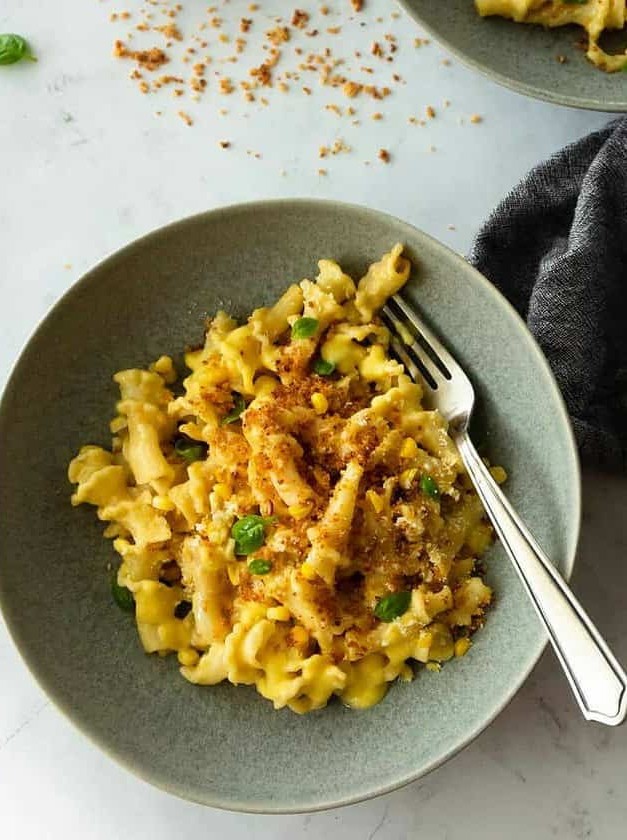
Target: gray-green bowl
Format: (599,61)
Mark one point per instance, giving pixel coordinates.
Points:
(225,746)
(523,57)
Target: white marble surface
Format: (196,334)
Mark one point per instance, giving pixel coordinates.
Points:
(87,167)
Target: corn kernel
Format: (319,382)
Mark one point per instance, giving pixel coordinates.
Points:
(375,500)
(188,657)
(233,573)
(278,614)
(319,402)
(300,635)
(407,477)
(163,503)
(498,474)
(433,666)
(409,449)
(462,646)
(308,571)
(405,335)
(299,511)
(222,491)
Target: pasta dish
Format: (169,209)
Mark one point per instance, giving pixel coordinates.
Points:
(594,16)
(292,517)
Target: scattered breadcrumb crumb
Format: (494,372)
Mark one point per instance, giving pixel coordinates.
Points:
(300,18)
(225,144)
(352,89)
(476,118)
(296,52)
(170,30)
(150,59)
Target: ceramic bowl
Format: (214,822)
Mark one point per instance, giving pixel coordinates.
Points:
(225,746)
(523,57)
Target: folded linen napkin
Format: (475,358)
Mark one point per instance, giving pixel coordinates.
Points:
(556,247)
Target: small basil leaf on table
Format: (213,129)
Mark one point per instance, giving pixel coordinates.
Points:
(14,48)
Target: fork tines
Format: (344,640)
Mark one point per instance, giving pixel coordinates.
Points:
(415,345)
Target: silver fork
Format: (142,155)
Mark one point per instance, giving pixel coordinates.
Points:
(595,676)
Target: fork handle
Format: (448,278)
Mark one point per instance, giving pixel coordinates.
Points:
(595,676)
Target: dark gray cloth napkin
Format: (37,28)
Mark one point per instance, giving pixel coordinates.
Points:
(556,247)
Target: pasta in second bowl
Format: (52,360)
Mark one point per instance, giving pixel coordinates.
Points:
(547,61)
(224,745)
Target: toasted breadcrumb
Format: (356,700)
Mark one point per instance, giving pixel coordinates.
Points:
(295,53)
(150,59)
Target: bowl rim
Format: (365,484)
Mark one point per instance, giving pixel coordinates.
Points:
(269,807)
(518,86)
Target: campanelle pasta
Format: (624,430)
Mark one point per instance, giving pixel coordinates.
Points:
(296,519)
(594,16)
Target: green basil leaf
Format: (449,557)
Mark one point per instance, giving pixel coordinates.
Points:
(392,606)
(14,48)
(304,328)
(429,486)
(239,406)
(249,533)
(323,368)
(122,596)
(190,450)
(259,566)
